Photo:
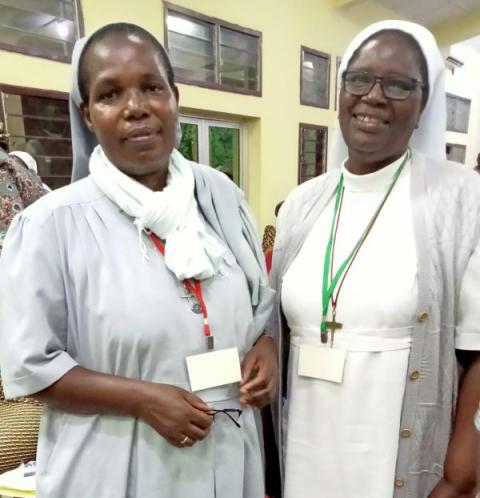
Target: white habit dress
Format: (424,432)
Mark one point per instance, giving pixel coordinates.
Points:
(342,439)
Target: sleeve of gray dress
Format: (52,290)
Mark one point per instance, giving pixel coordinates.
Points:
(33,312)
(264,300)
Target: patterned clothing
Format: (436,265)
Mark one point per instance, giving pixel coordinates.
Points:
(19,187)
(268,238)
(267,245)
(19,419)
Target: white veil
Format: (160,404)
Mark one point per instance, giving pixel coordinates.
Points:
(429,137)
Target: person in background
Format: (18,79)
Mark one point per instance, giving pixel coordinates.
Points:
(19,186)
(477,426)
(130,289)
(272,470)
(19,418)
(3,141)
(477,166)
(21,156)
(30,162)
(376,267)
(268,240)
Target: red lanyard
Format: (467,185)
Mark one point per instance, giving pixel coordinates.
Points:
(195,287)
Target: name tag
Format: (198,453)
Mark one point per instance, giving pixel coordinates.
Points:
(321,363)
(214,369)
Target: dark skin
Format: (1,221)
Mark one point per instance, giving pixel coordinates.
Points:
(376,129)
(477,166)
(131,107)
(133,111)
(373,143)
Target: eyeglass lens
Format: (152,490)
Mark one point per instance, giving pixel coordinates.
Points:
(232,413)
(394,87)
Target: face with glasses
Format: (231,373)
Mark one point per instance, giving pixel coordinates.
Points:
(381,102)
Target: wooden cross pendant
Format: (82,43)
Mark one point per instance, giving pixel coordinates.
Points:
(332,326)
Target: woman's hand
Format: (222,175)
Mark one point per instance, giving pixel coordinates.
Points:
(259,374)
(175,414)
(446,489)
(461,459)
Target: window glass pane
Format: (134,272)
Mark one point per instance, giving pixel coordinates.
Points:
(205,51)
(57,8)
(224,146)
(40,126)
(309,165)
(238,59)
(313,150)
(315,69)
(191,48)
(458,114)
(40,27)
(189,144)
(456,152)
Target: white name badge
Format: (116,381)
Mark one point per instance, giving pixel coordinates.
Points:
(321,363)
(214,369)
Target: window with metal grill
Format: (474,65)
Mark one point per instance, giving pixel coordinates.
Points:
(42,28)
(38,122)
(313,151)
(208,52)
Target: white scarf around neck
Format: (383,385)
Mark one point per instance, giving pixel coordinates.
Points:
(171,214)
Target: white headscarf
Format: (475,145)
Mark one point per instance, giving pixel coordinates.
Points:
(26,158)
(429,137)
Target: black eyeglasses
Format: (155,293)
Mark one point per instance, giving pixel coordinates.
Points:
(232,413)
(394,87)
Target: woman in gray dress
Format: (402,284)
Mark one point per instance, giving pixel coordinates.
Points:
(130,299)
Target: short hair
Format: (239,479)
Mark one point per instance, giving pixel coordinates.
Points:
(125,29)
(277,208)
(413,42)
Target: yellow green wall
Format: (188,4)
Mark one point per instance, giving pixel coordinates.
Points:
(272,120)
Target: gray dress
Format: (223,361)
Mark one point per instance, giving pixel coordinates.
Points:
(77,291)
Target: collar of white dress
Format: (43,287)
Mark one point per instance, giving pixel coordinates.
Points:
(378,181)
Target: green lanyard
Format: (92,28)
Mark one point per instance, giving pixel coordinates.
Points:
(329,288)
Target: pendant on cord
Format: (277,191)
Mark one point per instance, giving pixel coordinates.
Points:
(331,326)
(195,306)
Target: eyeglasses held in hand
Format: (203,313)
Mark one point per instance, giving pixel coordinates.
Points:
(232,413)
(360,83)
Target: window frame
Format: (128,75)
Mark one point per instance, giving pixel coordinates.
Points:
(217,23)
(463,147)
(327,57)
(338,63)
(28,92)
(458,98)
(32,52)
(204,123)
(33,92)
(301,127)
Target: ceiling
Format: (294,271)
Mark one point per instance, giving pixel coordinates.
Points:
(431,12)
